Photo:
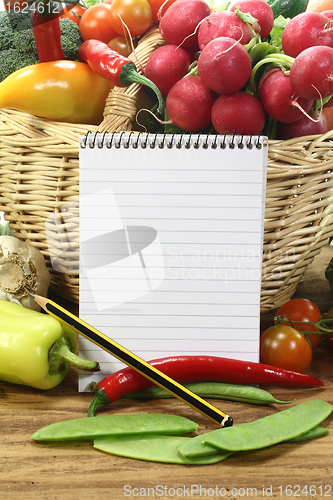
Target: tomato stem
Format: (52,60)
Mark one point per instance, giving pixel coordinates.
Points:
(322,324)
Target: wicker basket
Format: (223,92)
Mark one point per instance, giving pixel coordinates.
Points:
(39,174)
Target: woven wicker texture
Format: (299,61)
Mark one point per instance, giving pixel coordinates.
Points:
(39,174)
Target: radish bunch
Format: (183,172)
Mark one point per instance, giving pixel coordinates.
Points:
(223,70)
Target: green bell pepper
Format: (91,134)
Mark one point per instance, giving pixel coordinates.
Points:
(36,349)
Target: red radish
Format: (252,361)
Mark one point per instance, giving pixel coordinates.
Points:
(189,104)
(224,65)
(239,113)
(223,23)
(311,74)
(179,24)
(166,65)
(303,126)
(327,13)
(260,10)
(306,30)
(279,99)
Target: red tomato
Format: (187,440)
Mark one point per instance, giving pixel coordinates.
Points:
(302,310)
(285,347)
(122,45)
(95,23)
(136,15)
(159,8)
(74,13)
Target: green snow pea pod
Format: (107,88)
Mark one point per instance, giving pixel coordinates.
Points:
(216,390)
(267,431)
(314,433)
(114,425)
(155,449)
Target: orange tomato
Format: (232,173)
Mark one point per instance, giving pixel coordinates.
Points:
(328,113)
(320,6)
(130,17)
(285,347)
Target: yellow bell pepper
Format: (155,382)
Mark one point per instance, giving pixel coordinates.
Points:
(66,91)
(35,348)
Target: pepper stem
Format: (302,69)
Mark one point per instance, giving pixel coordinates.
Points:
(100,399)
(61,355)
(129,74)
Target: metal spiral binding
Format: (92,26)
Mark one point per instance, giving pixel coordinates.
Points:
(163,140)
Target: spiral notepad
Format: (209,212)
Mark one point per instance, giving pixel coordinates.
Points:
(171,234)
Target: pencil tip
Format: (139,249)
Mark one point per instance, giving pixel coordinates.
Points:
(31,294)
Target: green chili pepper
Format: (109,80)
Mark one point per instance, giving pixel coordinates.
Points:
(283,426)
(36,349)
(155,449)
(216,390)
(114,425)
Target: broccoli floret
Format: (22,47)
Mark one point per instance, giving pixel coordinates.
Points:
(13,60)
(6,31)
(24,40)
(17,41)
(70,38)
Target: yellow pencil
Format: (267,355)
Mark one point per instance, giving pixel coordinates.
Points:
(138,364)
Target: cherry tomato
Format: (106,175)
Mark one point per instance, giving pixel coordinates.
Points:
(136,15)
(74,13)
(95,23)
(302,310)
(285,347)
(122,45)
(159,8)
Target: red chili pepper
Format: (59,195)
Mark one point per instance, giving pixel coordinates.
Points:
(47,37)
(196,369)
(119,70)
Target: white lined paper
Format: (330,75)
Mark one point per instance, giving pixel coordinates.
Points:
(171,246)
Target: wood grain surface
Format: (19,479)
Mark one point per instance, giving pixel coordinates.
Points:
(76,471)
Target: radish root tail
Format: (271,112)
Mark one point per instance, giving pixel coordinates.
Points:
(221,54)
(298,106)
(127,33)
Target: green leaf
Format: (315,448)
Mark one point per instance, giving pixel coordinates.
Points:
(277,30)
(245,16)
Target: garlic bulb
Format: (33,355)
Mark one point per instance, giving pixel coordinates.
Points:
(22,270)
